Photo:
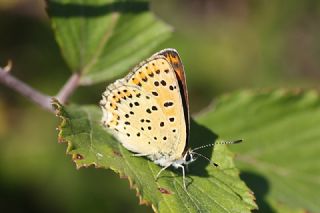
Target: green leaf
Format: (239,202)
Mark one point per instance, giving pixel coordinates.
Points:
(102,39)
(279,158)
(210,189)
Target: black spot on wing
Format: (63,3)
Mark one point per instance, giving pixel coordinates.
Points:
(168,104)
(163,83)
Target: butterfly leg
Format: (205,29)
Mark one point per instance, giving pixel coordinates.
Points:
(164,168)
(183,175)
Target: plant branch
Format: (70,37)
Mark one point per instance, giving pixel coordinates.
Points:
(37,97)
(68,88)
(12,82)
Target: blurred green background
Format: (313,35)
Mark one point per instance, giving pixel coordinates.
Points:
(225,46)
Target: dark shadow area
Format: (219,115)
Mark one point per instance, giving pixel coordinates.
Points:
(260,186)
(57,9)
(199,136)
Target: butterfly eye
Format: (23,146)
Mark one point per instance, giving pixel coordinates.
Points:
(188,157)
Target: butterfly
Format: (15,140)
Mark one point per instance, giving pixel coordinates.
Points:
(148,111)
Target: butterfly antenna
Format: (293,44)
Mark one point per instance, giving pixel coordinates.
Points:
(230,142)
(221,142)
(210,161)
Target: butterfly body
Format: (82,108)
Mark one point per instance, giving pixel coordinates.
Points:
(148,112)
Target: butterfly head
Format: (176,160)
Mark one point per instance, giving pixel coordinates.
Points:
(189,157)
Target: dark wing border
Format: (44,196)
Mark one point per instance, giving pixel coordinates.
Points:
(173,57)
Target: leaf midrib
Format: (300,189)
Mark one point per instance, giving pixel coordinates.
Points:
(104,40)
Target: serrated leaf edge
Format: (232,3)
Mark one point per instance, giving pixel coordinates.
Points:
(58,111)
